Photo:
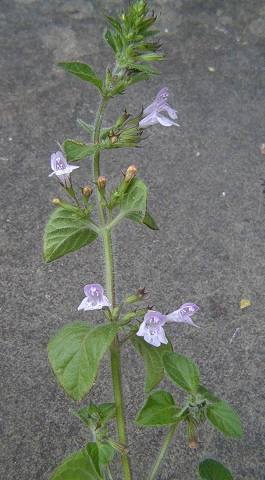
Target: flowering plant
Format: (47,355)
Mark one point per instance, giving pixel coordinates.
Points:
(76,351)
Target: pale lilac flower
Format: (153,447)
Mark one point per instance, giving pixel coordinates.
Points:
(152,328)
(183,314)
(61,168)
(152,113)
(94,298)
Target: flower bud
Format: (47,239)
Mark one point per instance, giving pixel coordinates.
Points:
(114,138)
(87,191)
(193,444)
(56,201)
(130,173)
(101,182)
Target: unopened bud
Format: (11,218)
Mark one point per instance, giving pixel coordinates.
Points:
(101,182)
(114,139)
(130,173)
(87,191)
(141,292)
(56,201)
(193,444)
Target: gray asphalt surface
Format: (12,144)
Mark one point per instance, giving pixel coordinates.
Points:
(205,192)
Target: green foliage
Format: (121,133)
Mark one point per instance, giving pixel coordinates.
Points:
(79,466)
(124,134)
(96,416)
(225,419)
(153,361)
(130,38)
(83,71)
(133,203)
(159,409)
(182,371)
(210,469)
(75,150)
(75,354)
(65,232)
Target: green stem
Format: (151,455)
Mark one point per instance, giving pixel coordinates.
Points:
(162,452)
(110,289)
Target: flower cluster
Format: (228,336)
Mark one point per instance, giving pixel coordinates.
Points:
(151,329)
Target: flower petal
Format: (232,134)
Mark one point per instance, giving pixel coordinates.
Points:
(162,336)
(166,122)
(83,304)
(142,330)
(171,112)
(148,121)
(152,339)
(179,317)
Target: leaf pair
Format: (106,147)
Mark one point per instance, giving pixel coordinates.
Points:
(185,374)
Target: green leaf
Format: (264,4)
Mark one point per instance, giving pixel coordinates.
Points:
(149,221)
(75,150)
(83,71)
(86,126)
(79,466)
(153,361)
(95,416)
(159,409)
(106,453)
(182,371)
(66,232)
(207,395)
(225,419)
(133,203)
(212,470)
(75,354)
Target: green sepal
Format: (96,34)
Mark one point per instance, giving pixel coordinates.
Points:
(159,409)
(79,466)
(153,361)
(182,371)
(75,150)
(75,354)
(66,231)
(225,419)
(149,221)
(83,71)
(210,469)
(86,126)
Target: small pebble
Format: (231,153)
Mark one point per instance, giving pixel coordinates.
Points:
(211,69)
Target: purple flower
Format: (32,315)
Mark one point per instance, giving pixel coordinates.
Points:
(152,113)
(94,298)
(61,168)
(152,328)
(183,314)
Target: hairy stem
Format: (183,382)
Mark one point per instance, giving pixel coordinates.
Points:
(162,452)
(110,289)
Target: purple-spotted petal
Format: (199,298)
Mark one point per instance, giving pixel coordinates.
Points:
(183,314)
(189,308)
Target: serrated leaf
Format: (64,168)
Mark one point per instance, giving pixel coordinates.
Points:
(110,40)
(133,203)
(83,71)
(75,354)
(225,419)
(182,371)
(159,409)
(79,466)
(75,150)
(210,469)
(153,361)
(96,415)
(66,232)
(149,221)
